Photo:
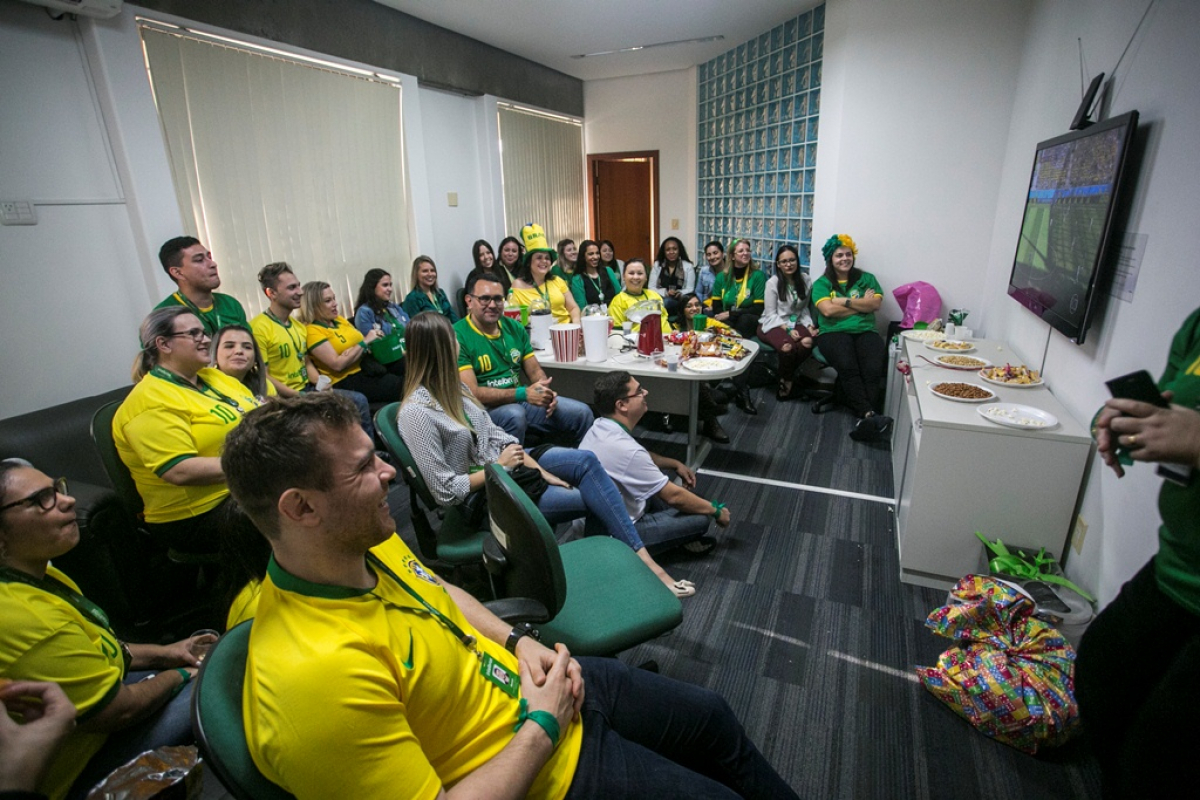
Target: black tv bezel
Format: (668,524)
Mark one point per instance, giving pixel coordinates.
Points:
(1076,332)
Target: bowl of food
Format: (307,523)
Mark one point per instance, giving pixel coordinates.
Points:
(962,362)
(950,346)
(1021,377)
(960,392)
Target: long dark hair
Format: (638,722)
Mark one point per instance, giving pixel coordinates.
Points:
(832,276)
(661,258)
(604,263)
(256,377)
(794,282)
(366,292)
(475,253)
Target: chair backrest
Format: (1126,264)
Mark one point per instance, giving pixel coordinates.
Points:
(535,567)
(386,425)
(118,473)
(217,719)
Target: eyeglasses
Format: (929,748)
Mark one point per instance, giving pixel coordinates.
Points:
(197,334)
(489,299)
(45,499)
(641,392)
(783,261)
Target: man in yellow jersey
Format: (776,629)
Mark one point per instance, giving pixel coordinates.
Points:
(494,351)
(191,266)
(368,677)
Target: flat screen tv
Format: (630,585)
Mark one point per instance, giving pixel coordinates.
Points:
(1062,260)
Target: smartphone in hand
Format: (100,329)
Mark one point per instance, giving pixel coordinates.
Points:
(1137,386)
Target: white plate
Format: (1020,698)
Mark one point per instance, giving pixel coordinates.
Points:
(983,362)
(708,364)
(991,394)
(1039,382)
(970,348)
(923,335)
(1015,415)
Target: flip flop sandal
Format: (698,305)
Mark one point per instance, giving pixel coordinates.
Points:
(683,588)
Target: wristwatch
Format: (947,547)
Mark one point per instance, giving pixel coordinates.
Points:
(847,302)
(514,636)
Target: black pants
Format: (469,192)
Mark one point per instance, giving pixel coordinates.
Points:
(386,388)
(861,363)
(1137,681)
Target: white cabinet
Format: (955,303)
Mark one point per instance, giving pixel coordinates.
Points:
(957,473)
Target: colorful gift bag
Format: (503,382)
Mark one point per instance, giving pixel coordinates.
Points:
(1011,675)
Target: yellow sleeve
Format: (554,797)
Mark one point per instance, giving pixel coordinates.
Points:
(161,437)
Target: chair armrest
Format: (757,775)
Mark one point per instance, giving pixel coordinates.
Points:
(495,560)
(89,498)
(518,609)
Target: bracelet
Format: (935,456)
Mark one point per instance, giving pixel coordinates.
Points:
(187,678)
(717,509)
(544,719)
(364,346)
(522,392)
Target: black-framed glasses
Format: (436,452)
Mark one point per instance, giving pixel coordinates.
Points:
(44,499)
(489,299)
(197,334)
(641,392)
(790,260)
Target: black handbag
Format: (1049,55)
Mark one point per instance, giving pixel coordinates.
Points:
(529,479)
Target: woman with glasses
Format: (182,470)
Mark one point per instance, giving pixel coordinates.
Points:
(130,697)
(452,437)
(337,348)
(170,429)
(786,322)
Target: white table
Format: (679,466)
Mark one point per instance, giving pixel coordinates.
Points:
(957,473)
(675,392)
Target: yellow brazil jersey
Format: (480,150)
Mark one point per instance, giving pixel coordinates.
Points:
(162,423)
(342,335)
(624,301)
(283,348)
(45,638)
(554,291)
(353,693)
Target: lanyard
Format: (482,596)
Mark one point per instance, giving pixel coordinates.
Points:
(300,346)
(741,295)
(201,387)
(182,298)
(467,639)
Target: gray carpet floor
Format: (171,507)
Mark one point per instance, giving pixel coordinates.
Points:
(801,622)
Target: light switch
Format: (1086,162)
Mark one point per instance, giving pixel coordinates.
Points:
(674,224)
(452,199)
(17,212)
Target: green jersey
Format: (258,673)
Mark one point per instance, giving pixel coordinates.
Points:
(745,293)
(497,360)
(824,292)
(225,310)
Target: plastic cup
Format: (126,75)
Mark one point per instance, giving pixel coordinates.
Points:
(564,339)
(699,322)
(672,360)
(204,640)
(524,315)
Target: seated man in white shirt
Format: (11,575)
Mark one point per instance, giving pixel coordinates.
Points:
(662,511)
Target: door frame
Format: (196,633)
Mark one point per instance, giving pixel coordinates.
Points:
(593,206)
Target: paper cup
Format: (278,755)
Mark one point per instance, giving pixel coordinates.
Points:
(539,330)
(565,341)
(595,337)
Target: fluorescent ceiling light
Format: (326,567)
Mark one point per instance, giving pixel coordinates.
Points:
(648,46)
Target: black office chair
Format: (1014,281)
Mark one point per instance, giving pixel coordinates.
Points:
(599,597)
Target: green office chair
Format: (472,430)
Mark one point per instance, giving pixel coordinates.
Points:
(217,719)
(600,598)
(456,542)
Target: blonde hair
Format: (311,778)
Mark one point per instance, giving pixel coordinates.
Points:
(416,268)
(311,302)
(432,362)
(158,323)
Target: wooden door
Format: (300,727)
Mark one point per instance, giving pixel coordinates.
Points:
(624,202)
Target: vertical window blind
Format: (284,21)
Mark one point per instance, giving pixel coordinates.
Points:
(541,162)
(277,160)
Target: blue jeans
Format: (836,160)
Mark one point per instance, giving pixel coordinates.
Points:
(646,735)
(570,417)
(170,725)
(595,496)
(663,528)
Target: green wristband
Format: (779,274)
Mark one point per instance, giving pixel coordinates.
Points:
(187,678)
(521,393)
(717,509)
(544,719)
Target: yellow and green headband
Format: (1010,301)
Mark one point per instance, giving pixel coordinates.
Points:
(836,241)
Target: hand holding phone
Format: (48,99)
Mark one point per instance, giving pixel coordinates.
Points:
(1138,386)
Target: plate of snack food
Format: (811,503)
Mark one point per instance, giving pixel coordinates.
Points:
(1021,377)
(707,364)
(1014,415)
(962,362)
(950,346)
(924,335)
(961,392)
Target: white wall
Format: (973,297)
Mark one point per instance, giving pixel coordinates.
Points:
(651,112)
(915,103)
(1157,78)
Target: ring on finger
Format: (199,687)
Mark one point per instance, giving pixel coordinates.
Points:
(1132,439)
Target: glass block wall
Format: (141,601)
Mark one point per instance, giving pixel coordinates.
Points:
(757,140)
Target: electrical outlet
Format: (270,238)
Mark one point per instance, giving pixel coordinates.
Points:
(1077,535)
(17,212)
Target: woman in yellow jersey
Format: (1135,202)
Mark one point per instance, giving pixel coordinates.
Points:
(535,282)
(170,429)
(337,347)
(635,291)
(237,355)
(130,697)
